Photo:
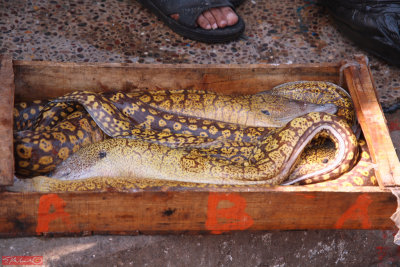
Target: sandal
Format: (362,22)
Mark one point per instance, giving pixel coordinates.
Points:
(188,11)
(236,3)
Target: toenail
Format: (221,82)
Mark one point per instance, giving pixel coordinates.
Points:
(231,17)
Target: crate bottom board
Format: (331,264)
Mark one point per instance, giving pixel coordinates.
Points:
(214,212)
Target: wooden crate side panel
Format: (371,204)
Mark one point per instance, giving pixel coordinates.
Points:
(6,120)
(48,80)
(215,212)
(373,124)
(168,212)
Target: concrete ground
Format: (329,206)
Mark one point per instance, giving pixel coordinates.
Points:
(283,31)
(288,248)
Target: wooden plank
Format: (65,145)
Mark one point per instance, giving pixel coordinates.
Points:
(195,211)
(6,120)
(373,123)
(199,210)
(49,79)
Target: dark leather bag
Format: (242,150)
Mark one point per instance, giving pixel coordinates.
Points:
(373,25)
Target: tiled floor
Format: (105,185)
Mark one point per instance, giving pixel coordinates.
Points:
(122,31)
(286,31)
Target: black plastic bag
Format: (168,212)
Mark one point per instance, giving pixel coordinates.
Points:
(373,25)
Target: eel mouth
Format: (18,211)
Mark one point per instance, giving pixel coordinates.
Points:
(308,107)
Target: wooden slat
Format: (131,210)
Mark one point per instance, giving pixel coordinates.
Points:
(50,79)
(373,123)
(164,210)
(195,211)
(6,120)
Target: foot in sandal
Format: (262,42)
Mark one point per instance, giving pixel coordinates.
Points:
(210,21)
(214,18)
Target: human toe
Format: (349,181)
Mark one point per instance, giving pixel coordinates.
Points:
(230,15)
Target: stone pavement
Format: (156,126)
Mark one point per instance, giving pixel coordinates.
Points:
(286,31)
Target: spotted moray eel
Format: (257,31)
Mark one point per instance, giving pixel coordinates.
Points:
(179,107)
(46,135)
(268,163)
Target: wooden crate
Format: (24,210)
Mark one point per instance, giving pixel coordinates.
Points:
(198,210)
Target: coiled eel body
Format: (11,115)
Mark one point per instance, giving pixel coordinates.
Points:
(196,136)
(269,161)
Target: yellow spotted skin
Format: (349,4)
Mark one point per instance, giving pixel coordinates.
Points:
(261,110)
(362,174)
(357,176)
(319,92)
(127,116)
(105,184)
(224,139)
(260,163)
(25,114)
(50,135)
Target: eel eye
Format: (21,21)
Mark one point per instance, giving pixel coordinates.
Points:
(325,161)
(266,112)
(102,154)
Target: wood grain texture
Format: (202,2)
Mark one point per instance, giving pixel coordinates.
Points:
(373,123)
(180,211)
(6,120)
(166,210)
(49,79)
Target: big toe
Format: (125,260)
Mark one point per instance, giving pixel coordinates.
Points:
(230,15)
(215,18)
